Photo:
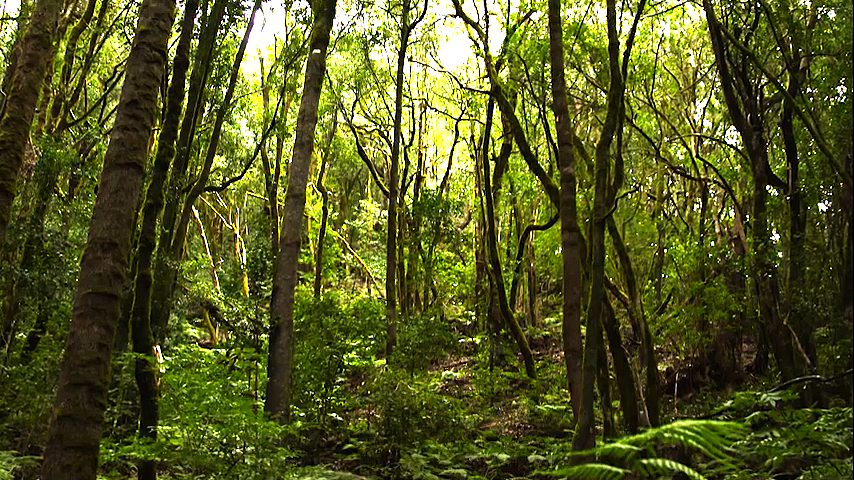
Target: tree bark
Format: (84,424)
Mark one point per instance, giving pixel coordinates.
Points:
(622,370)
(569,231)
(143,339)
(35,56)
(280,363)
(165,269)
(585,437)
(76,426)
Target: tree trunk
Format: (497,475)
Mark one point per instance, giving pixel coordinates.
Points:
(393,181)
(569,231)
(585,437)
(165,269)
(648,358)
(75,430)
(280,363)
(37,49)
(495,269)
(143,340)
(324,193)
(622,370)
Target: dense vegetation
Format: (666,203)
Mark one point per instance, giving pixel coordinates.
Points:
(428,240)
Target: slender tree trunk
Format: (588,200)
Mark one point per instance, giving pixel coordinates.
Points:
(165,269)
(280,363)
(37,49)
(622,370)
(648,358)
(143,340)
(391,239)
(76,426)
(324,193)
(585,437)
(569,232)
(497,275)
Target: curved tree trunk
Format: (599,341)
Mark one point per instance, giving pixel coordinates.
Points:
(75,430)
(280,362)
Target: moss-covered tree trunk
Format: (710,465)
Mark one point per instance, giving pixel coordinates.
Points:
(143,340)
(280,360)
(569,232)
(34,57)
(165,269)
(76,426)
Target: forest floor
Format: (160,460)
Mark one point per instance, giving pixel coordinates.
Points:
(464,420)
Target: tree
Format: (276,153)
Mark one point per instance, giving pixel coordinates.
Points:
(280,358)
(571,245)
(35,56)
(143,339)
(75,432)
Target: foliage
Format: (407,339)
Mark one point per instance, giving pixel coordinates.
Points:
(627,456)
(408,410)
(10,462)
(214,427)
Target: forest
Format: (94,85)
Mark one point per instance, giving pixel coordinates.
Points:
(426,239)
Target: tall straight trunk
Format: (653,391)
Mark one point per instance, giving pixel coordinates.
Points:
(570,234)
(34,57)
(143,339)
(585,437)
(76,426)
(393,181)
(280,360)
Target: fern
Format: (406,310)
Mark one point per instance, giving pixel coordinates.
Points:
(652,466)
(626,456)
(590,471)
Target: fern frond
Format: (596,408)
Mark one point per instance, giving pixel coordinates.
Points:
(588,471)
(618,451)
(709,437)
(650,466)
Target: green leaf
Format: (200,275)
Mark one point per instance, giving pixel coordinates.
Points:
(652,465)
